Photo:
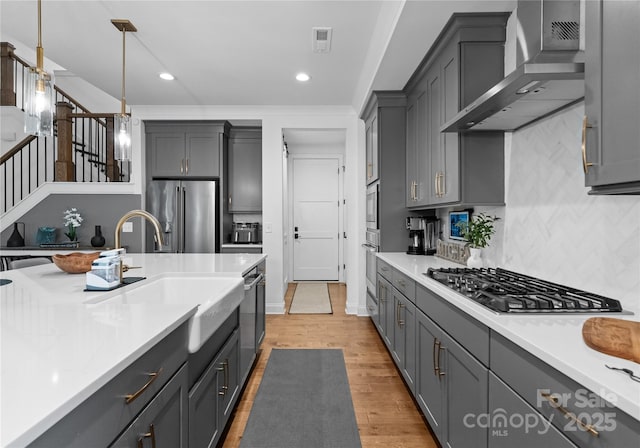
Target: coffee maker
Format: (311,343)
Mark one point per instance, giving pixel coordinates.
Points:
(423,234)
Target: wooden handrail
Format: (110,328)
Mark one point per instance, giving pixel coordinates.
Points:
(16,149)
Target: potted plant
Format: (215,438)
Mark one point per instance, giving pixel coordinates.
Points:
(477,233)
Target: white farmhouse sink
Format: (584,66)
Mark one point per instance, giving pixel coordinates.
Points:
(216,298)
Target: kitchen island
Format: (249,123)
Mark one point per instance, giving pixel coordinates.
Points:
(507,364)
(58,349)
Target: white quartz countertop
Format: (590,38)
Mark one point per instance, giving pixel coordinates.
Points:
(555,339)
(56,351)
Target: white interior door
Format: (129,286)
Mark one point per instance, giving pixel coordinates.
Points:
(316,219)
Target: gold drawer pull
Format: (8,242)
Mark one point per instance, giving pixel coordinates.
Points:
(568,414)
(152,377)
(151,434)
(585,164)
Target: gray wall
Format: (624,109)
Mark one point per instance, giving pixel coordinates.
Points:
(99,209)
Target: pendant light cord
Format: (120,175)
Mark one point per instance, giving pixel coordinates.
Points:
(39,49)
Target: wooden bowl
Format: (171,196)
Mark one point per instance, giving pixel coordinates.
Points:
(76,262)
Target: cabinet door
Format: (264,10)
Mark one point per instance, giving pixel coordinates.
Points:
(429,382)
(411,176)
(167,152)
(228,379)
(466,383)
(404,351)
(435,139)
(202,154)
(163,423)
(449,182)
(386,311)
(422,159)
(371,143)
(245,175)
(612,97)
(505,431)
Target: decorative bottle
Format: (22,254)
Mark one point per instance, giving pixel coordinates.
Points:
(15,240)
(98,240)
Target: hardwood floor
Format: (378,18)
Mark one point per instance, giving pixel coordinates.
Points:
(386,414)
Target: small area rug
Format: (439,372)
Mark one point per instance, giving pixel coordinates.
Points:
(303,401)
(311,298)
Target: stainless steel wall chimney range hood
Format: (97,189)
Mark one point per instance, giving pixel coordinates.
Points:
(549,72)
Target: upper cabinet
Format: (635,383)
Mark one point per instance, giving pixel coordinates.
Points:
(371,143)
(449,168)
(245,170)
(185,148)
(611,131)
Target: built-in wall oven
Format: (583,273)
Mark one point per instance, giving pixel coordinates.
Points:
(372,206)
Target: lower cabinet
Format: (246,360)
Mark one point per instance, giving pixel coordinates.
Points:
(163,423)
(404,338)
(386,312)
(451,385)
(212,398)
(512,422)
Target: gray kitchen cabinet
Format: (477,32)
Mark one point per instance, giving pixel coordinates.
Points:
(261,323)
(506,430)
(404,337)
(185,148)
(386,311)
(163,422)
(372,148)
(212,397)
(385,117)
(582,417)
(610,134)
(250,317)
(451,168)
(450,384)
(104,415)
(245,170)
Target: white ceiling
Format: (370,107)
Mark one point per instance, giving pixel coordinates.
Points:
(236,52)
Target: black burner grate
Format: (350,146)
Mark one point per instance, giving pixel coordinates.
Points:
(510,292)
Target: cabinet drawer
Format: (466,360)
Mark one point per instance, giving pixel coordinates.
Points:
(467,331)
(404,284)
(505,428)
(385,270)
(531,378)
(100,418)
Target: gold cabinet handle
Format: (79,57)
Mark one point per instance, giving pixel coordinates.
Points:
(442,185)
(568,414)
(151,434)
(435,185)
(436,357)
(152,377)
(224,368)
(585,164)
(186,166)
(400,321)
(181,166)
(369,170)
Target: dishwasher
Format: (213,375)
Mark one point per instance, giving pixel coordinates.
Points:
(253,284)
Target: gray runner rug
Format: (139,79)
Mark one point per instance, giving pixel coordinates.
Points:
(303,401)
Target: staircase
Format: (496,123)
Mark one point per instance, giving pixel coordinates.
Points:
(81,150)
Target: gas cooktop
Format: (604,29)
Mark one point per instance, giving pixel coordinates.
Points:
(505,291)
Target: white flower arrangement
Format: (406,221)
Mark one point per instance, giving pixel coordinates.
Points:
(72,219)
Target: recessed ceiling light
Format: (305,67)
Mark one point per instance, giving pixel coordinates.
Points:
(303,77)
(167,76)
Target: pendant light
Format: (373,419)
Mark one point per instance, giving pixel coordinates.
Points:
(39,104)
(122,121)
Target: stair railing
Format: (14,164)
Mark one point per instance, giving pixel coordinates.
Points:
(80,151)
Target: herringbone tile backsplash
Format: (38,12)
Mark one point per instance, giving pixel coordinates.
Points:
(551,228)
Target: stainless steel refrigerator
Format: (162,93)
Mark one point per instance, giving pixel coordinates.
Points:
(188,212)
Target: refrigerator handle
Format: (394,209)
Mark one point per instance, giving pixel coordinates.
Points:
(184,219)
(178,220)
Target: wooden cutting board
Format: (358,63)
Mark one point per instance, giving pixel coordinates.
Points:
(615,337)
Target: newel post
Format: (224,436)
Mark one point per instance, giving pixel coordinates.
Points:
(7,94)
(65,168)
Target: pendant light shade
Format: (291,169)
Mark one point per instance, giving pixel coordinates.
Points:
(39,94)
(122,121)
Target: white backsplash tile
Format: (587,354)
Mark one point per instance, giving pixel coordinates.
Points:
(553,229)
(550,227)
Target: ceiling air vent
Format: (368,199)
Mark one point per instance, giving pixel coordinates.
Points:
(321,39)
